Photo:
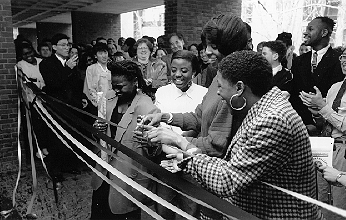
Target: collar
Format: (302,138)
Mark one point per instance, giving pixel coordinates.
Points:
(277,69)
(104,70)
(62,60)
(322,51)
(178,93)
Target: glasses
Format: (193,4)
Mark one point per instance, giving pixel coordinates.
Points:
(64,45)
(342,57)
(142,48)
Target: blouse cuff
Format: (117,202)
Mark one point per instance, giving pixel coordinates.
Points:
(326,111)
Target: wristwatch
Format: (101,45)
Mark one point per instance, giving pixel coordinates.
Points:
(339,176)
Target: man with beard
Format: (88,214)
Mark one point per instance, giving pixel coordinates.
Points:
(319,67)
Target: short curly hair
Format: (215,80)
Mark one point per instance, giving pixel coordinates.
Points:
(249,67)
(189,56)
(328,22)
(277,47)
(227,32)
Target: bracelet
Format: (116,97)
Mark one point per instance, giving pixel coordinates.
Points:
(339,176)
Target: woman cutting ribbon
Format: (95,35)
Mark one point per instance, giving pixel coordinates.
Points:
(125,102)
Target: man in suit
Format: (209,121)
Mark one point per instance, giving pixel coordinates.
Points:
(319,67)
(58,71)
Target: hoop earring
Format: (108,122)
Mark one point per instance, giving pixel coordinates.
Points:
(234,108)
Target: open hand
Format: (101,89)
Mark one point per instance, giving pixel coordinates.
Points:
(166,136)
(170,165)
(313,101)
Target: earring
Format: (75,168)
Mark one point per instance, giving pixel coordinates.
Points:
(137,89)
(234,108)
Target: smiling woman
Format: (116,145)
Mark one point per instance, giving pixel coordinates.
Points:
(125,102)
(98,77)
(154,71)
(184,96)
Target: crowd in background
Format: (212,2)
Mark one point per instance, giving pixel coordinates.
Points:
(246,114)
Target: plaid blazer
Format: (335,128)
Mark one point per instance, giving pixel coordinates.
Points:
(271,145)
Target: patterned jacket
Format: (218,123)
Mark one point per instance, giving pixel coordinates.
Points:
(271,145)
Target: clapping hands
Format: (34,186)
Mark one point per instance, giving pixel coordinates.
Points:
(314,101)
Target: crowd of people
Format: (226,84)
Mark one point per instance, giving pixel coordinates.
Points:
(227,117)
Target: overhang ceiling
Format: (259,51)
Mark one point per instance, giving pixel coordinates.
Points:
(25,13)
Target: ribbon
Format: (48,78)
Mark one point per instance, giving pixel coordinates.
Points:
(297,195)
(331,208)
(110,153)
(171,179)
(107,166)
(33,167)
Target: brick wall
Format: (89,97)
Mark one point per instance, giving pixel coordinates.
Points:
(87,26)
(8,91)
(48,30)
(189,16)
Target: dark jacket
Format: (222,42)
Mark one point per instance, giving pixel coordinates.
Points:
(283,80)
(61,81)
(325,75)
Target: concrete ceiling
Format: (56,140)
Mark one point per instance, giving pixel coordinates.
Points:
(25,13)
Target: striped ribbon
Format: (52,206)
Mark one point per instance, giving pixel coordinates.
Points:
(153,196)
(331,208)
(110,153)
(223,206)
(107,166)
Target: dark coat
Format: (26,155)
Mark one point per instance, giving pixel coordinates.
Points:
(61,81)
(283,80)
(325,75)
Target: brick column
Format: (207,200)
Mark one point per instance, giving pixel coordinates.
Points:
(87,26)
(8,91)
(189,16)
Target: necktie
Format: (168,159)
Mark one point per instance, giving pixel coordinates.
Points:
(337,100)
(328,128)
(314,62)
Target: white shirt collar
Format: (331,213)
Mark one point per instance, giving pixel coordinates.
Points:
(62,60)
(277,69)
(320,53)
(188,92)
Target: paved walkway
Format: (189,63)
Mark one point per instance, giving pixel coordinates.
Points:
(74,196)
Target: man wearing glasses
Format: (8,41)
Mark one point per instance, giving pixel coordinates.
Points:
(61,79)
